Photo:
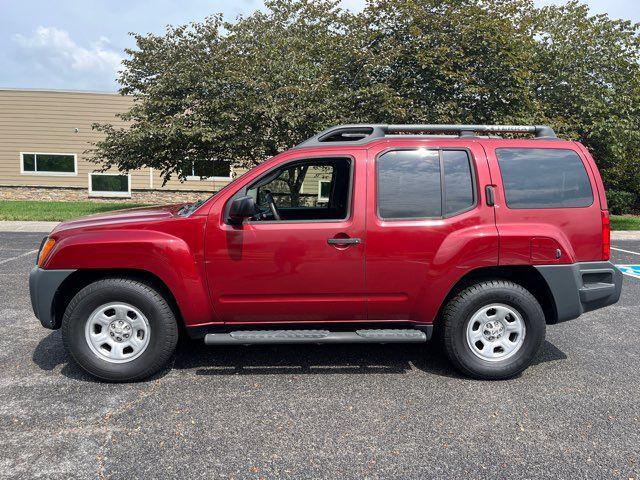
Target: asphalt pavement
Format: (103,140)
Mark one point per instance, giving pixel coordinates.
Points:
(333,411)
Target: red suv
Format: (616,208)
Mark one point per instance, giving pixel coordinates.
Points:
(361,234)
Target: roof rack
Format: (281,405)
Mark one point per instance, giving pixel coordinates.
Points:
(363,133)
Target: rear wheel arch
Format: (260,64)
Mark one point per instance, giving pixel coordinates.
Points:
(524,275)
(81,278)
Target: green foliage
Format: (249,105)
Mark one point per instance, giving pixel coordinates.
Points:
(620,202)
(247,89)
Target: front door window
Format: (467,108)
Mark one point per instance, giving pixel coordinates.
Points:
(315,189)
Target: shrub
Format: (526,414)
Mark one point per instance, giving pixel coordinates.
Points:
(620,202)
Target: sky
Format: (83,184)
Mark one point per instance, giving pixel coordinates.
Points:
(79,44)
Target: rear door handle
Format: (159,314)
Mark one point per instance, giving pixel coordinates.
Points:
(490,193)
(343,241)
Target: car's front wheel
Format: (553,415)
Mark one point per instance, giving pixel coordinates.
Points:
(120,329)
(493,329)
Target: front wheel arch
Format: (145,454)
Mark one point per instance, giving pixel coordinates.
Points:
(81,278)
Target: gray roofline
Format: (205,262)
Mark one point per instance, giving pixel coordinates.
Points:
(53,90)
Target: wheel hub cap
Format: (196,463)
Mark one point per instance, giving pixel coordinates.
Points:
(117,332)
(492,330)
(120,330)
(495,332)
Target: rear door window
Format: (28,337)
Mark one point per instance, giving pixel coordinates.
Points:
(544,178)
(424,183)
(409,184)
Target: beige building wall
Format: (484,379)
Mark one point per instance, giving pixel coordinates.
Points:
(60,122)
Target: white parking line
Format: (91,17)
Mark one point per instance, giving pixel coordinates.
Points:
(6,260)
(625,251)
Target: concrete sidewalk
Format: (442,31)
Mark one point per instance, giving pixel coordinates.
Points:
(625,235)
(46,227)
(17,226)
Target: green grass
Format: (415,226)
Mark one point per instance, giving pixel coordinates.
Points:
(625,222)
(55,211)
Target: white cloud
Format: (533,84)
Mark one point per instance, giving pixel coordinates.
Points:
(353,5)
(58,55)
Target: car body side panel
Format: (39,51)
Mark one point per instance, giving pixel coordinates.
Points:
(171,250)
(596,174)
(577,231)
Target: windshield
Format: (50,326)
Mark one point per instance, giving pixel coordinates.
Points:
(192,207)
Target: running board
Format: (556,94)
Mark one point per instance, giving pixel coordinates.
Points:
(252,337)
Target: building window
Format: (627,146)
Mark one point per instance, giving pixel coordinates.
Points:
(109,185)
(324,190)
(48,164)
(210,170)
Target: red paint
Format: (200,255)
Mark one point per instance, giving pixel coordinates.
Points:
(263,272)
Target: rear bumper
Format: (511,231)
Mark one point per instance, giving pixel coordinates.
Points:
(43,286)
(582,287)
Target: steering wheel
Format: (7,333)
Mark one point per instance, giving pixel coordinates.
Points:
(272,205)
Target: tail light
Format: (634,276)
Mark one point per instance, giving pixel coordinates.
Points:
(606,235)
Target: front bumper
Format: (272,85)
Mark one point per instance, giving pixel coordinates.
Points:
(43,287)
(581,287)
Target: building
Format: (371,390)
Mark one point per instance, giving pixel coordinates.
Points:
(43,137)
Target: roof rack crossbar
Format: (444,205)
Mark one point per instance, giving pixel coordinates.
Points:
(363,133)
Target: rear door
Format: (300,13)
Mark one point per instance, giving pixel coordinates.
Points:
(427,224)
(547,209)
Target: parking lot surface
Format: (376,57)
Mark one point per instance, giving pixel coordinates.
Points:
(332,411)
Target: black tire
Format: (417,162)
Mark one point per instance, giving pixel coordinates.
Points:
(459,311)
(162,323)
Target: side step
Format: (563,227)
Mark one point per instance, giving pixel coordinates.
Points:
(252,337)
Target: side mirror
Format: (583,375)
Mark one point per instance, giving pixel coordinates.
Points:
(241,208)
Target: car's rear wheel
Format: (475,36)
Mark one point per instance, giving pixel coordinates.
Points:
(120,329)
(493,329)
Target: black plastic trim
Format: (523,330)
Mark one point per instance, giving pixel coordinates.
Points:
(365,133)
(572,291)
(43,286)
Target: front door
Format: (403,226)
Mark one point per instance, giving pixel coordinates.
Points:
(301,257)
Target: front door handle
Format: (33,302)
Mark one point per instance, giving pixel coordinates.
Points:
(343,241)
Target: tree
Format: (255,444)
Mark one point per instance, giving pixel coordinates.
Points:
(270,81)
(588,86)
(248,89)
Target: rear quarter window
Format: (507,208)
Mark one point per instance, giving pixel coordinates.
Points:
(544,178)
